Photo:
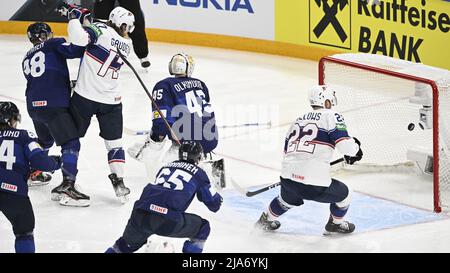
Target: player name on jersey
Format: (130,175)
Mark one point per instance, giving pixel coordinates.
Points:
(8,133)
(188,85)
(122,46)
(184,165)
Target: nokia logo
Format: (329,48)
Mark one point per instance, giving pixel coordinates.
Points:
(228,5)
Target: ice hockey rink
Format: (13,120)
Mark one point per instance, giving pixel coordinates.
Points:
(392,211)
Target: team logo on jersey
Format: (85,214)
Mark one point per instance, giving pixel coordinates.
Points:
(330,23)
(39,103)
(9,187)
(96,30)
(158,209)
(156,114)
(341,127)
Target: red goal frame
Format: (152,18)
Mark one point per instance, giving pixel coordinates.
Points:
(434,87)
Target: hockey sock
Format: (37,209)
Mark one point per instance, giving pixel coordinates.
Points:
(195,244)
(116,161)
(69,158)
(338,213)
(276,208)
(120,246)
(24,243)
(110,250)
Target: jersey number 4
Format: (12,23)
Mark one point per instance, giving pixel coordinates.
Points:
(7,153)
(35,66)
(170,179)
(299,138)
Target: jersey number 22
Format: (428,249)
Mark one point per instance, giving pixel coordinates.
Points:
(299,138)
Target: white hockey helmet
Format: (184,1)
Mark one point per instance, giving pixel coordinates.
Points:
(181,64)
(318,94)
(120,16)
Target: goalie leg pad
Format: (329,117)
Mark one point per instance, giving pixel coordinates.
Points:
(215,169)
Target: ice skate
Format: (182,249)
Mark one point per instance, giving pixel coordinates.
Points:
(121,191)
(343,228)
(67,195)
(264,223)
(38,178)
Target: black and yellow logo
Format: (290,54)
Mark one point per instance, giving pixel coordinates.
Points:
(330,23)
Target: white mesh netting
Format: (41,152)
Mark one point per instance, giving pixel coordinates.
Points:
(377,109)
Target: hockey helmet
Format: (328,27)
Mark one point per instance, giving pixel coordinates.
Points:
(319,94)
(190,151)
(181,64)
(120,16)
(9,112)
(39,32)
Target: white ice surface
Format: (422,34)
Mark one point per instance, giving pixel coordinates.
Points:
(274,86)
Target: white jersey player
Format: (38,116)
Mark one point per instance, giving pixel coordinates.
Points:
(96,91)
(305,174)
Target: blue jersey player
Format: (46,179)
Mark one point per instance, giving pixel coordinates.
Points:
(48,95)
(161,207)
(186,104)
(19,151)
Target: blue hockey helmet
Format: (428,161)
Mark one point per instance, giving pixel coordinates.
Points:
(39,32)
(9,112)
(190,151)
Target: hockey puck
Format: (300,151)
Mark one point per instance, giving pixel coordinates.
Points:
(411,126)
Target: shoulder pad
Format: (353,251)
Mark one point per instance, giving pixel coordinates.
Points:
(30,134)
(58,40)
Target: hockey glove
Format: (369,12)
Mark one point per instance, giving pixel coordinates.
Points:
(352,159)
(75,12)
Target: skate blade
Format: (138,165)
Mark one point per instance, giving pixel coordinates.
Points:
(37,183)
(69,202)
(56,196)
(124,199)
(335,234)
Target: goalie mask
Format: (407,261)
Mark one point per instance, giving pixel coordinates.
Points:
(319,94)
(120,16)
(181,65)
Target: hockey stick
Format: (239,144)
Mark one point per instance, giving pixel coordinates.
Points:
(253,193)
(174,136)
(147,132)
(246,125)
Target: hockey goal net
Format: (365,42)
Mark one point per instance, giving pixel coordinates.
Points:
(380,97)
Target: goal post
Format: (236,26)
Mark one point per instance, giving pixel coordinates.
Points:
(380,97)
